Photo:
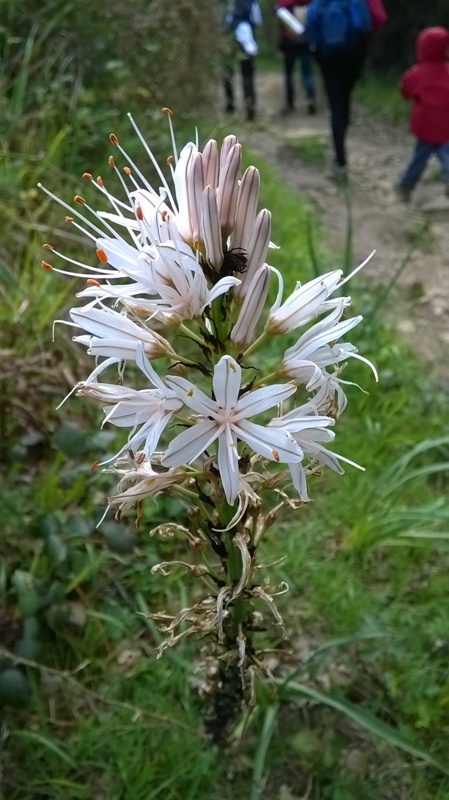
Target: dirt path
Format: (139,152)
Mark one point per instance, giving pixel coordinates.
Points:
(378,152)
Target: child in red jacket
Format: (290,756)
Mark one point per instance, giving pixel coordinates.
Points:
(427,84)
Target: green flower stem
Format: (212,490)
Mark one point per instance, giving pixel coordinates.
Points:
(239,610)
(194,499)
(187,332)
(265,380)
(182,360)
(254,345)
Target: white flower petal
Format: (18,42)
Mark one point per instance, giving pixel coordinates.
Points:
(228,465)
(226,382)
(260,400)
(275,445)
(192,396)
(189,444)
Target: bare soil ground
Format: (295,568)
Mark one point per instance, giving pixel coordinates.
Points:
(378,153)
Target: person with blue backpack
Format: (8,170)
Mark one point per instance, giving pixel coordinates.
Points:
(338,31)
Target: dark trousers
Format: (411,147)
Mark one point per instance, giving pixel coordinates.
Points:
(247,70)
(418,163)
(292,54)
(340,75)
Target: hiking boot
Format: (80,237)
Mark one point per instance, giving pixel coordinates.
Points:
(311,107)
(339,174)
(404,193)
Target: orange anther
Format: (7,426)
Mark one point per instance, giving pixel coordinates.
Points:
(167,111)
(101,255)
(46,265)
(276,455)
(140,458)
(87,175)
(190,393)
(68,219)
(93,282)
(139,213)
(113,139)
(127,170)
(99,180)
(111,161)
(169,159)
(79,199)
(94,466)
(48,246)
(164,215)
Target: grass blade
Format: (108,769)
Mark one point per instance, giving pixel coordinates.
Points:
(49,744)
(340,641)
(262,750)
(366,720)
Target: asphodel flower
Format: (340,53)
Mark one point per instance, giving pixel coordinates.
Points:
(180,289)
(226,419)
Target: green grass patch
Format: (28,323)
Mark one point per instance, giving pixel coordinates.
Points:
(381,96)
(311,149)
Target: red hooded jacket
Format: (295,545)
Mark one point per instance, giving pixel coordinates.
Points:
(427,84)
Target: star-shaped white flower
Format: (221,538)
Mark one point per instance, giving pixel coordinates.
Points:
(225,418)
(146,411)
(309,430)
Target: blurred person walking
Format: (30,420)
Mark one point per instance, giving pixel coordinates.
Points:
(339,32)
(295,50)
(427,85)
(241,18)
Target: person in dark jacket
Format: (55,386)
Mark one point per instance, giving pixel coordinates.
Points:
(295,51)
(241,19)
(427,85)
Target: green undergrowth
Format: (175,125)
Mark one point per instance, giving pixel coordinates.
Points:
(91,712)
(380,95)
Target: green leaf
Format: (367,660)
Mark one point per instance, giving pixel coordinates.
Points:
(56,549)
(119,538)
(365,719)
(71,439)
(27,596)
(14,688)
(29,645)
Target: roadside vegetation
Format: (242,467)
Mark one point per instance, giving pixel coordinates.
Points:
(358,708)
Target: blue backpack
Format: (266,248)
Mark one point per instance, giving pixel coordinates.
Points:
(333,26)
